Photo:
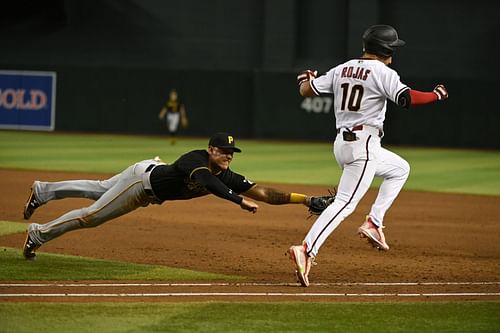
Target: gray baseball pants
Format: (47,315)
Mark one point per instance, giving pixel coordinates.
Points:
(114,197)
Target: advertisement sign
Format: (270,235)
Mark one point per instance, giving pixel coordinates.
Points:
(27,100)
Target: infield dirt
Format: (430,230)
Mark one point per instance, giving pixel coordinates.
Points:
(433,237)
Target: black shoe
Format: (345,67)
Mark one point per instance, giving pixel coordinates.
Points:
(31,205)
(29,248)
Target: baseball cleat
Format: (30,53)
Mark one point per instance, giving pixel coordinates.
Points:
(29,248)
(374,234)
(302,263)
(31,204)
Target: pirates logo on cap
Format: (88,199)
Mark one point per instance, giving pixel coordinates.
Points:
(224,141)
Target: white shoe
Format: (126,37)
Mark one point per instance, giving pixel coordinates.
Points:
(302,263)
(374,234)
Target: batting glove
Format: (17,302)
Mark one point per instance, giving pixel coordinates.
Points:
(307,75)
(441,92)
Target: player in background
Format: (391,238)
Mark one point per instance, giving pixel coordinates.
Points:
(194,174)
(361,88)
(174,113)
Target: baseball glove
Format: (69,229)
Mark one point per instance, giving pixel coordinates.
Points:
(318,204)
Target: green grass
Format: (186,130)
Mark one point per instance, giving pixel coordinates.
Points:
(7,227)
(55,267)
(380,317)
(63,267)
(455,171)
(437,170)
(79,152)
(442,170)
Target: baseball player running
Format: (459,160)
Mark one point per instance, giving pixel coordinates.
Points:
(174,112)
(361,88)
(194,174)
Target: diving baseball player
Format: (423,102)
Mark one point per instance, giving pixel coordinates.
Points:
(361,88)
(194,174)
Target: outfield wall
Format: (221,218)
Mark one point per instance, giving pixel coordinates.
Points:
(235,63)
(260,105)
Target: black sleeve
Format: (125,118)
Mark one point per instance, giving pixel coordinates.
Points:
(235,181)
(215,186)
(404,99)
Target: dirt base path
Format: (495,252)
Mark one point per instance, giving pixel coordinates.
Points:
(434,238)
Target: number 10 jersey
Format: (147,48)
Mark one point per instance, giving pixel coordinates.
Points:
(361,88)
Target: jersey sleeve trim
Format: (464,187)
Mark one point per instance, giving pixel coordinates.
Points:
(248,189)
(314,89)
(196,169)
(400,92)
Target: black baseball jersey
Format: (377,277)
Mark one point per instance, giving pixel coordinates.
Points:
(175,181)
(173,106)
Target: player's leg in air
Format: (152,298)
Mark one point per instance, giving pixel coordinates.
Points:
(395,171)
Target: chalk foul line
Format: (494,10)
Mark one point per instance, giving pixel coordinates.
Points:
(260,294)
(248,284)
(250,294)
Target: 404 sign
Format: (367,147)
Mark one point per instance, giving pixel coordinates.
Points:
(317,104)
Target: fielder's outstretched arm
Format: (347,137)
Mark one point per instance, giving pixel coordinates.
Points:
(218,188)
(276,197)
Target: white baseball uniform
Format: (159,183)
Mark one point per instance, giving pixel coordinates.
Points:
(361,88)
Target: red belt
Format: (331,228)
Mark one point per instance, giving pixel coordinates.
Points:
(358,128)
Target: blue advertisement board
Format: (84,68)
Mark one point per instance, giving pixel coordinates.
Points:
(27,100)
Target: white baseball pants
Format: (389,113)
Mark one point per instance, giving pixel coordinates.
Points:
(361,161)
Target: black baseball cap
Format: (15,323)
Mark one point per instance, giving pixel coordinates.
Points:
(224,141)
